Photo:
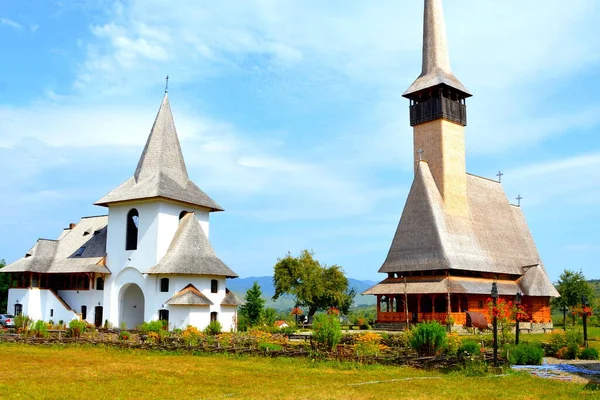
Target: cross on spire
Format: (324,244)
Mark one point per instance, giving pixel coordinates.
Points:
(420,151)
(499,175)
(167,84)
(519,198)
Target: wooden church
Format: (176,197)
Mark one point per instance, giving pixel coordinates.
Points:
(458,232)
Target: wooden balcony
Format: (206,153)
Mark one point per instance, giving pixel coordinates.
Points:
(460,318)
(436,108)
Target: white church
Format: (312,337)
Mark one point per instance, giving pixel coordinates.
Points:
(148,259)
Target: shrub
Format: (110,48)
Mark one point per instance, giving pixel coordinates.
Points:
(569,352)
(214,328)
(526,354)
(454,344)
(574,337)
(124,335)
(76,328)
(153,337)
(469,348)
(369,344)
(22,323)
(152,326)
(557,341)
(269,347)
(589,354)
(191,335)
(429,338)
(327,330)
(40,329)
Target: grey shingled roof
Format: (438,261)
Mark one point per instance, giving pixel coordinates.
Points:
(161,170)
(191,253)
(189,296)
(493,239)
(436,60)
(455,285)
(231,299)
(58,256)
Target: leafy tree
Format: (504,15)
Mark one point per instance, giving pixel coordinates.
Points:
(3,288)
(313,285)
(571,286)
(269,316)
(255,303)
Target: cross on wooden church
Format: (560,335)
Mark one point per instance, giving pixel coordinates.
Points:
(519,198)
(499,175)
(167,84)
(420,151)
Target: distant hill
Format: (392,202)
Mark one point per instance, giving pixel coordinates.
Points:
(241,285)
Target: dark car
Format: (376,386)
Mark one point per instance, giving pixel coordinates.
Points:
(7,320)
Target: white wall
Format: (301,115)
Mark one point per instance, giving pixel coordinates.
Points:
(37,304)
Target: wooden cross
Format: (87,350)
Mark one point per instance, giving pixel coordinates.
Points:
(519,198)
(167,84)
(420,151)
(499,175)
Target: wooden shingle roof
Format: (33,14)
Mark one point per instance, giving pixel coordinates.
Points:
(494,238)
(161,170)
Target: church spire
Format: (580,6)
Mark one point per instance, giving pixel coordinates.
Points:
(161,171)
(162,153)
(435,45)
(436,60)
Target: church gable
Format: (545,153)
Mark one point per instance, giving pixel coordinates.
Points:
(191,253)
(417,244)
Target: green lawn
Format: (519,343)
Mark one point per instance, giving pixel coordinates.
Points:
(30,372)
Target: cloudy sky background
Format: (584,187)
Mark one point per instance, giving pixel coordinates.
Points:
(291,117)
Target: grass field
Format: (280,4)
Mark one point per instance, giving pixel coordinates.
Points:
(73,372)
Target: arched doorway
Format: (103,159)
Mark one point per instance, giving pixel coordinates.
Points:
(132,306)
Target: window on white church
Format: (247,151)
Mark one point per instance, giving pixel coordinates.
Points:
(133,219)
(83,312)
(51,312)
(213,316)
(99,283)
(164,285)
(183,214)
(163,315)
(214,286)
(79,251)
(18,309)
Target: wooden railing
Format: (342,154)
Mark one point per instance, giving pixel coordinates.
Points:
(459,318)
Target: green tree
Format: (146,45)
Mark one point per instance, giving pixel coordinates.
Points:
(3,288)
(255,303)
(313,285)
(269,316)
(571,286)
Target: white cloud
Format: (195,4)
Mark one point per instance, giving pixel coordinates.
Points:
(11,23)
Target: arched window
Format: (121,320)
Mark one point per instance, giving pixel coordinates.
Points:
(18,309)
(183,214)
(164,284)
(214,286)
(213,316)
(100,283)
(133,220)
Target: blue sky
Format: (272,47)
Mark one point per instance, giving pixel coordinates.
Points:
(291,117)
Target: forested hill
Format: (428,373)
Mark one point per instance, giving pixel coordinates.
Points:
(241,285)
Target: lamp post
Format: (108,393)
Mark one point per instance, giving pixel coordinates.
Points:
(495,322)
(518,299)
(584,304)
(564,308)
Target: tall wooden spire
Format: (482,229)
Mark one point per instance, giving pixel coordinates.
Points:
(436,69)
